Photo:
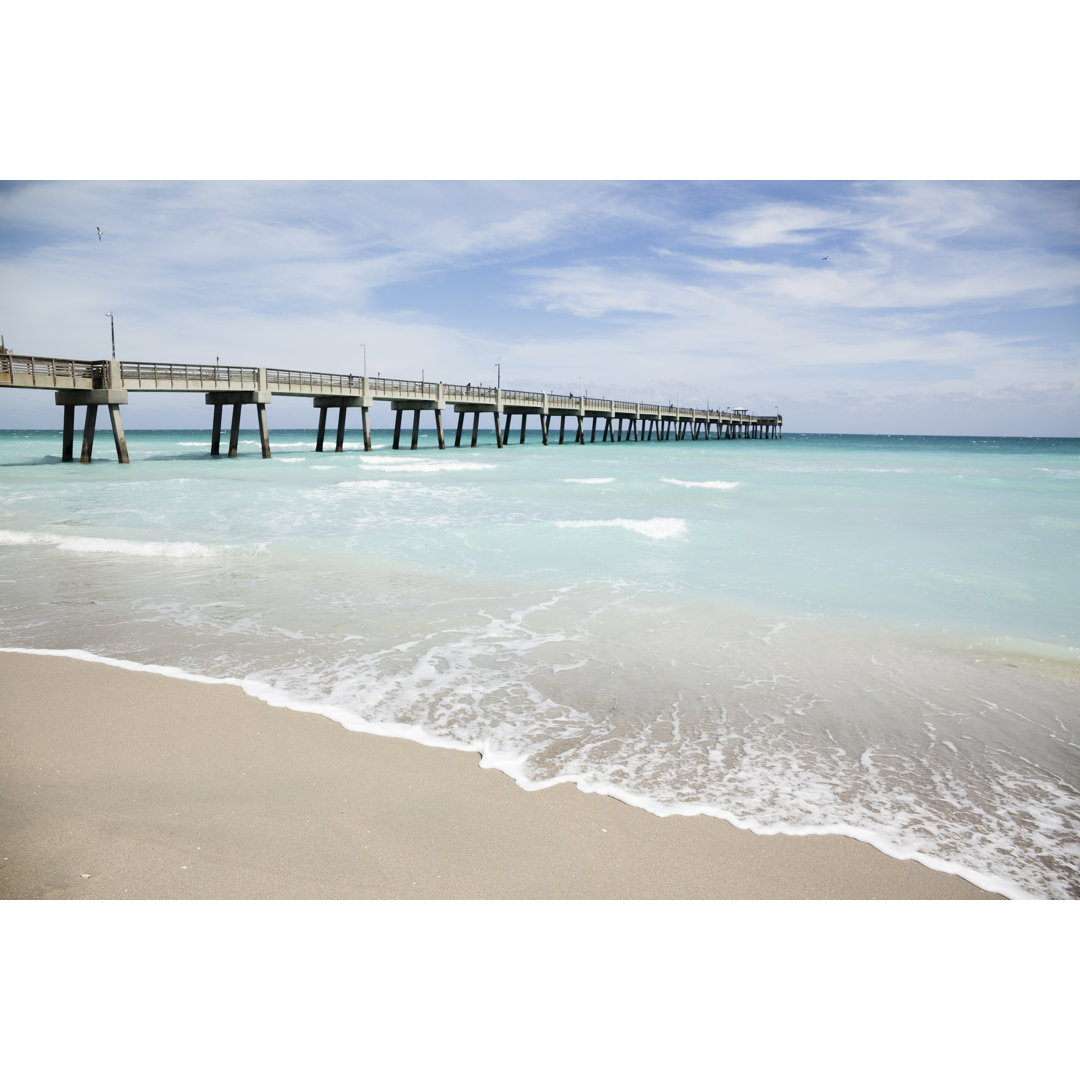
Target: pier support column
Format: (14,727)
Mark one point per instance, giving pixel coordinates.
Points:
(339,445)
(89,424)
(439,429)
(367,426)
(68,449)
(544,419)
(580,437)
(498,434)
(506,430)
(562,428)
(594,429)
(415,429)
(318,439)
(264,430)
(234,430)
(118,435)
(524,417)
(460,425)
(476,426)
(397,427)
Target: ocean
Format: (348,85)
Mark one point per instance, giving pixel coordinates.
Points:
(867,635)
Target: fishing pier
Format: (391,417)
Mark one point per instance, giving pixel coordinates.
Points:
(91,384)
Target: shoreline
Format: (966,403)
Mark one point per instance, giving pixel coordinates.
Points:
(127,784)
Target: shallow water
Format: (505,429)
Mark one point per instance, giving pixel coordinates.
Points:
(875,636)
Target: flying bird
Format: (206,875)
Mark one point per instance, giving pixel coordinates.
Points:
(99,233)
(823,257)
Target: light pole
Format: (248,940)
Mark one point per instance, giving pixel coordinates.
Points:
(112,328)
(364,347)
(498,374)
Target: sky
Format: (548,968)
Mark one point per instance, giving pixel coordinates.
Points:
(925,307)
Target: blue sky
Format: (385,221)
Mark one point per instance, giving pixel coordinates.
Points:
(938,307)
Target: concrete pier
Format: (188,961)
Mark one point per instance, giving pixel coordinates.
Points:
(238,399)
(91,399)
(462,409)
(324,402)
(93,383)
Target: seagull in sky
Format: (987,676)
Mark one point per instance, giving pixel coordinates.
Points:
(823,257)
(99,233)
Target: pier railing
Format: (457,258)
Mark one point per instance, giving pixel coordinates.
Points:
(142,376)
(49,372)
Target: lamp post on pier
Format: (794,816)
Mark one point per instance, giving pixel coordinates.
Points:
(112,328)
(498,374)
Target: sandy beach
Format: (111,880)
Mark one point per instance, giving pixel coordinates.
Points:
(119,784)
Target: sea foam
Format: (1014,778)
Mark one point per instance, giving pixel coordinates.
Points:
(99,545)
(719,485)
(423,465)
(653,528)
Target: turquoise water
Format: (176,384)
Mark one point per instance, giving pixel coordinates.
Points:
(875,636)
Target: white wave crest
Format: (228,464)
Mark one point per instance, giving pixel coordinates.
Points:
(99,545)
(653,528)
(425,466)
(590,480)
(720,485)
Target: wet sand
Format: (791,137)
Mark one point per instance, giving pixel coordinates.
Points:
(118,784)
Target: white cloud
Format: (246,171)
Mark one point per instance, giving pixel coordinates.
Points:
(775,223)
